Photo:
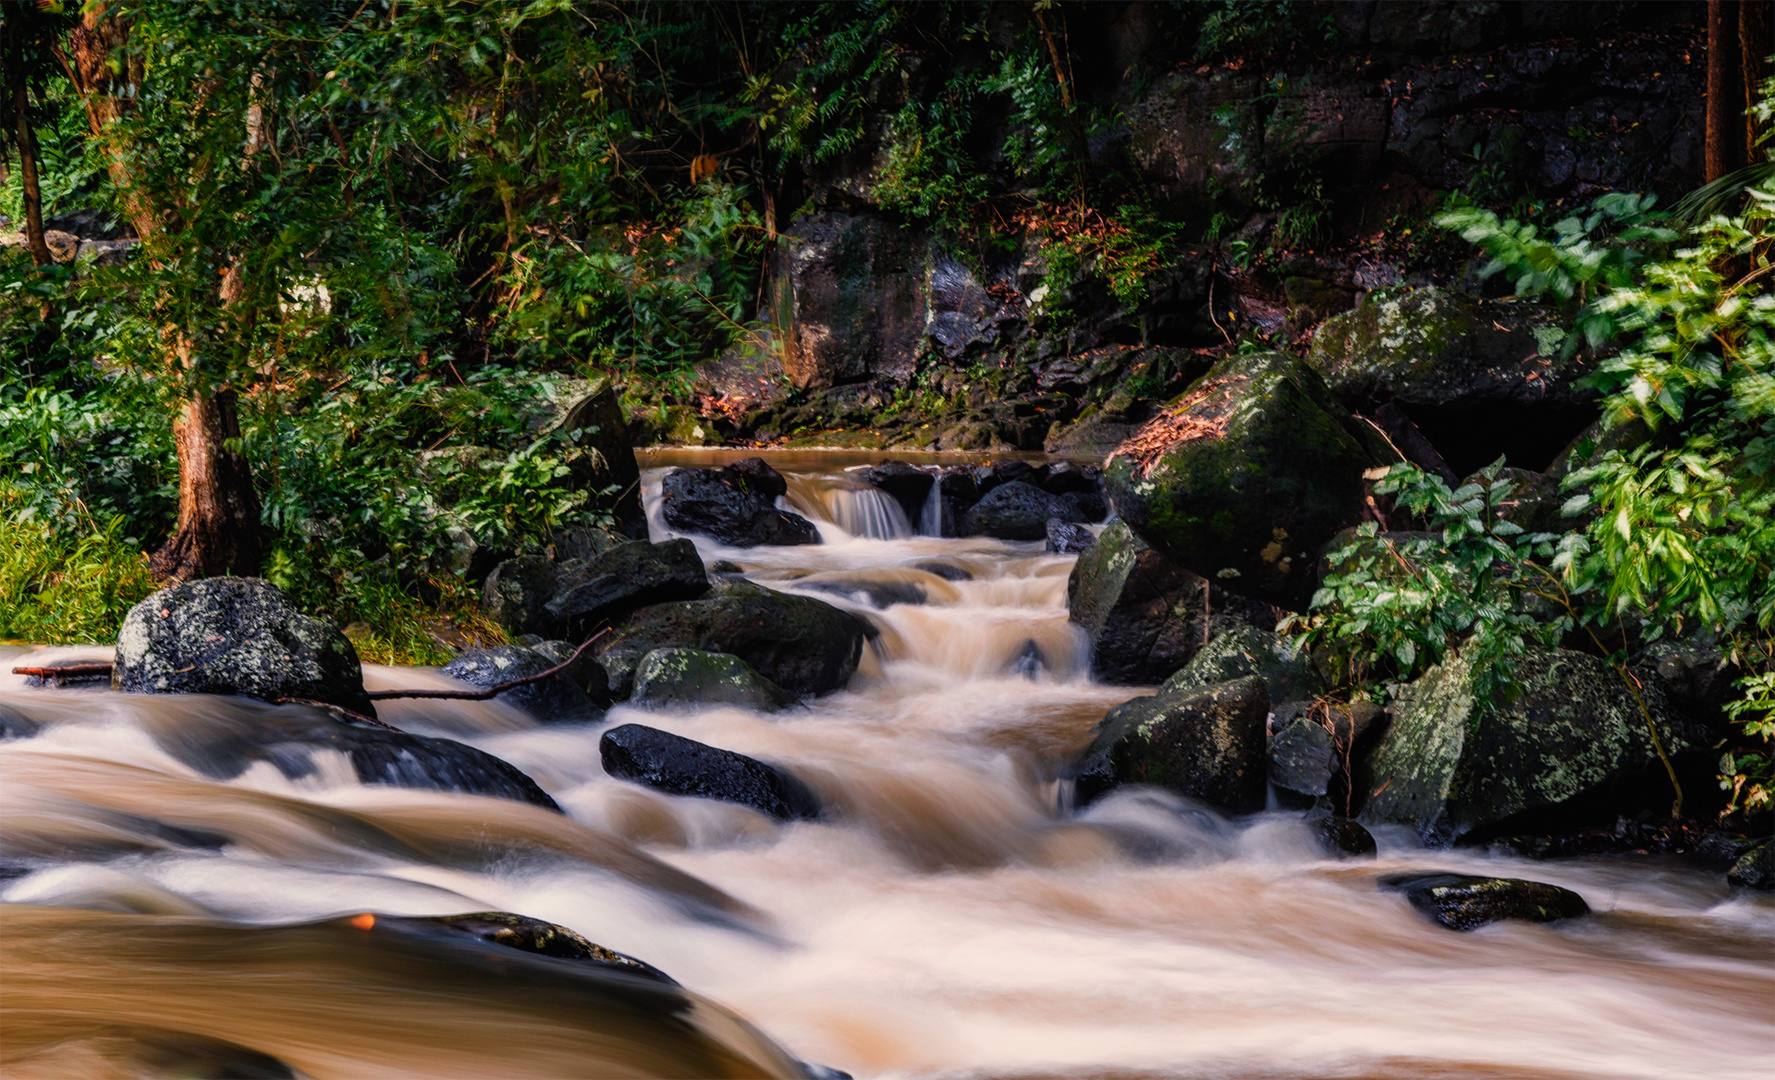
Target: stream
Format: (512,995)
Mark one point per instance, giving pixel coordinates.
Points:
(948,917)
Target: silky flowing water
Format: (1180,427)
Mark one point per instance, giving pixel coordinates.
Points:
(948,917)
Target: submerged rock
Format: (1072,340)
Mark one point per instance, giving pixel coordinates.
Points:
(529,935)
(730,509)
(1466,902)
(1246,476)
(804,645)
(1205,743)
(668,678)
(1341,837)
(554,700)
(1572,744)
(680,766)
(1143,613)
(622,579)
(234,635)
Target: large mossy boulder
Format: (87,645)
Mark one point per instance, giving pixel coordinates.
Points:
(691,678)
(554,700)
(1570,747)
(679,766)
(1244,477)
(804,645)
(1206,744)
(1144,614)
(610,585)
(723,505)
(1288,673)
(234,635)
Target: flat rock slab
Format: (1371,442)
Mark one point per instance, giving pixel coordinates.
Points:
(1467,902)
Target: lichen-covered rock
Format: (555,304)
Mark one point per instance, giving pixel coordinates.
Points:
(1021,511)
(716,504)
(233,635)
(691,678)
(1303,759)
(1246,476)
(592,419)
(516,594)
(804,645)
(1755,869)
(612,584)
(1207,744)
(680,766)
(1467,902)
(1144,614)
(1065,538)
(1573,741)
(553,700)
(1287,673)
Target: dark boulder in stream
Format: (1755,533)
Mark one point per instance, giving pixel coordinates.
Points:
(1341,837)
(1204,743)
(690,678)
(680,766)
(1755,869)
(1245,476)
(235,635)
(728,505)
(1467,902)
(1021,511)
(1287,673)
(804,645)
(554,700)
(622,579)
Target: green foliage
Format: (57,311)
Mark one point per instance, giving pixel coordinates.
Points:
(1392,607)
(1261,28)
(928,174)
(65,583)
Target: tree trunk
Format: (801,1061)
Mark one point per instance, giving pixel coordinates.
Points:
(27,157)
(1756,40)
(218,529)
(1726,127)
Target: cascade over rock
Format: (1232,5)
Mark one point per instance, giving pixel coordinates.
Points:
(1246,476)
(728,507)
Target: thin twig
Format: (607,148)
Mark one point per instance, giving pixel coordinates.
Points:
(331,707)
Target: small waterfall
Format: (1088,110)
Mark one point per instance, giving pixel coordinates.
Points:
(930,515)
(861,511)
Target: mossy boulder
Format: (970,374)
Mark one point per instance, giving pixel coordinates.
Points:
(1206,744)
(1433,346)
(1468,902)
(1571,745)
(235,635)
(691,678)
(1288,674)
(804,645)
(1244,477)
(1143,613)
(1755,869)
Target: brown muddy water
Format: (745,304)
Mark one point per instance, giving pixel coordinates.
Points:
(948,919)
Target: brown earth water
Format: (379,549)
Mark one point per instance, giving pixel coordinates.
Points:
(947,918)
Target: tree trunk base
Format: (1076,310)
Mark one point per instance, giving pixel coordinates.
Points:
(218,530)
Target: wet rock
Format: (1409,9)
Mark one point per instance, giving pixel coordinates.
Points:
(876,590)
(1573,743)
(16,725)
(804,645)
(516,594)
(592,419)
(945,570)
(680,766)
(1313,748)
(554,700)
(584,672)
(669,678)
(233,635)
(1303,759)
(623,579)
(1755,869)
(1480,378)
(1029,662)
(1246,650)
(529,935)
(714,503)
(1206,744)
(758,476)
(1722,849)
(288,737)
(1144,614)
(1068,539)
(909,485)
(1021,511)
(1246,476)
(852,300)
(1466,902)
(1064,478)
(1341,837)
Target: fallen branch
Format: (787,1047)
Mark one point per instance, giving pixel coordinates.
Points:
(491,691)
(66,671)
(332,708)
